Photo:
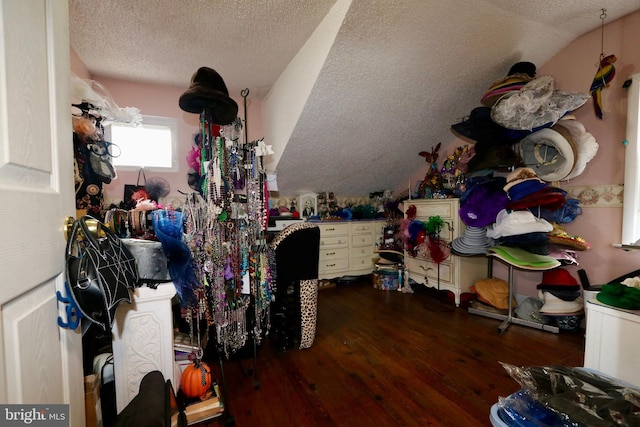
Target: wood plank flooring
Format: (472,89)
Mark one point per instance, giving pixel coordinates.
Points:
(386,358)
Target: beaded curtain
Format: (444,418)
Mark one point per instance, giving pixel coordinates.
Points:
(225,225)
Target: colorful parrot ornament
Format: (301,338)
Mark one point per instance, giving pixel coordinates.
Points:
(602,79)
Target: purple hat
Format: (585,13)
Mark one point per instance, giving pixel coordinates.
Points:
(482,204)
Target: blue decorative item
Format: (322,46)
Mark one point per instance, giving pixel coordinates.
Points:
(74,315)
(168,229)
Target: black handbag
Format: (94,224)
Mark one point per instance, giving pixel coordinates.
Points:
(100,271)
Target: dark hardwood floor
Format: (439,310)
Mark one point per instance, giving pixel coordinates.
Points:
(386,358)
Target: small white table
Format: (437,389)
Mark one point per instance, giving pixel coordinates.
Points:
(142,340)
(612,346)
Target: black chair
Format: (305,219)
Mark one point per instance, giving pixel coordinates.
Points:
(294,309)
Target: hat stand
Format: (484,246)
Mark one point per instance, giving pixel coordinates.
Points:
(508,319)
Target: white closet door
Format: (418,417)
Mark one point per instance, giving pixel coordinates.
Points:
(39,362)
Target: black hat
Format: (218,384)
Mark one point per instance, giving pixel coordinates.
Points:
(478,125)
(493,155)
(208,92)
(524,67)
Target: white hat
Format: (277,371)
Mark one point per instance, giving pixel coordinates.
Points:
(585,143)
(516,223)
(554,305)
(551,152)
(535,105)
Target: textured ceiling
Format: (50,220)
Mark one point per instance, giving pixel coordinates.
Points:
(397,76)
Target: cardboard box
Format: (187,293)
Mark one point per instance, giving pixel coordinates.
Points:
(92,404)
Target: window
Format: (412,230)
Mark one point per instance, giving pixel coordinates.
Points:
(631,205)
(152,145)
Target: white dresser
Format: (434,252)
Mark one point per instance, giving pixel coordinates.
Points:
(346,247)
(456,273)
(612,346)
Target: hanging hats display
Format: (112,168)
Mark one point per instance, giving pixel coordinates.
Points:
(209,92)
(536,105)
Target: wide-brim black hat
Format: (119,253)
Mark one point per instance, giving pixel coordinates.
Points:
(479,125)
(209,92)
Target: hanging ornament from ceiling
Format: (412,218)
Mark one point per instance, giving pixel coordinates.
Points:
(604,75)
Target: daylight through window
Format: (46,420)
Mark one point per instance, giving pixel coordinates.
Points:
(151,145)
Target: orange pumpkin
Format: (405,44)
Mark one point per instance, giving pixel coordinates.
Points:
(196,379)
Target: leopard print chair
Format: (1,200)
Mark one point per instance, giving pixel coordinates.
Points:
(295,306)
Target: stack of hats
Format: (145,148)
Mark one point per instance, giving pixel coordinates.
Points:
(521,229)
(519,74)
(562,299)
(526,191)
(474,241)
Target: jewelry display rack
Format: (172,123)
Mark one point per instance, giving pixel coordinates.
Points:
(226,224)
(509,318)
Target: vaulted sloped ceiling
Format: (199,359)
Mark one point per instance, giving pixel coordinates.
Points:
(386,80)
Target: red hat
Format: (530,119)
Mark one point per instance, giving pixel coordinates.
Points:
(558,277)
(548,198)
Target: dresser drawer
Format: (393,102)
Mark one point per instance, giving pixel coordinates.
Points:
(361,262)
(444,209)
(429,269)
(333,229)
(362,240)
(362,251)
(333,241)
(331,254)
(361,227)
(333,264)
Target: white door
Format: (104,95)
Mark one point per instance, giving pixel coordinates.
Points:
(40,363)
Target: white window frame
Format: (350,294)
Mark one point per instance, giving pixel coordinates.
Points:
(631,205)
(147,121)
